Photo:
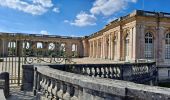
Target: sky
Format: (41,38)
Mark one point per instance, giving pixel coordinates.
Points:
(68,17)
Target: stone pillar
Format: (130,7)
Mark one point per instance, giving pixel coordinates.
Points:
(112,49)
(4,47)
(119,44)
(109,51)
(93,50)
(45,48)
(160,46)
(134,43)
(101,47)
(90,49)
(142,42)
(97,49)
(86,48)
(68,47)
(104,47)
(27,78)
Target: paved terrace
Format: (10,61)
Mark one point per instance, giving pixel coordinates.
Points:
(88,60)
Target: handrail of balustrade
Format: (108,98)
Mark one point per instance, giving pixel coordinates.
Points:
(57,84)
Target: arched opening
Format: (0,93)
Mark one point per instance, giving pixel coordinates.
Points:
(127,39)
(51,46)
(39,45)
(148,52)
(62,49)
(74,50)
(26,47)
(11,48)
(167,46)
(39,50)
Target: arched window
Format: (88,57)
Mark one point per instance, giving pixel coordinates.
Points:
(167,46)
(39,45)
(26,45)
(148,45)
(51,46)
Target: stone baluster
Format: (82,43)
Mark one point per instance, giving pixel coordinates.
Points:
(114,72)
(97,72)
(88,70)
(109,72)
(55,90)
(47,84)
(66,95)
(49,89)
(83,71)
(111,68)
(93,72)
(61,91)
(105,73)
(76,93)
(42,84)
(102,72)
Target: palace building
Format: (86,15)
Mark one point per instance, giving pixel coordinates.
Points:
(141,35)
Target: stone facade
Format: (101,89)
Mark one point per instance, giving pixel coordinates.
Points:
(139,35)
(17,41)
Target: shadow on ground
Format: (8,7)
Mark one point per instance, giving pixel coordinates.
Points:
(17,94)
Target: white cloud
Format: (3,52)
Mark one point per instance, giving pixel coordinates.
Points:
(66,21)
(37,7)
(44,3)
(84,19)
(109,7)
(56,9)
(44,32)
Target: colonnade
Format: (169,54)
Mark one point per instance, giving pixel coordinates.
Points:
(114,45)
(71,47)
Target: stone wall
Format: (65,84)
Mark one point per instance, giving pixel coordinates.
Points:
(57,84)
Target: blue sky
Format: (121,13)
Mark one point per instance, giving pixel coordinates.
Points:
(68,17)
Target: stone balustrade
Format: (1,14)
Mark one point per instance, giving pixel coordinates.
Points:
(144,73)
(57,84)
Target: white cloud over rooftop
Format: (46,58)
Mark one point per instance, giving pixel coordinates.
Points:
(36,7)
(100,7)
(84,19)
(109,7)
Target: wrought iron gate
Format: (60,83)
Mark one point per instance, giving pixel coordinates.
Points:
(17,50)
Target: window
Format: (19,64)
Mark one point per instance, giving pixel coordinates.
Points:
(148,45)
(167,46)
